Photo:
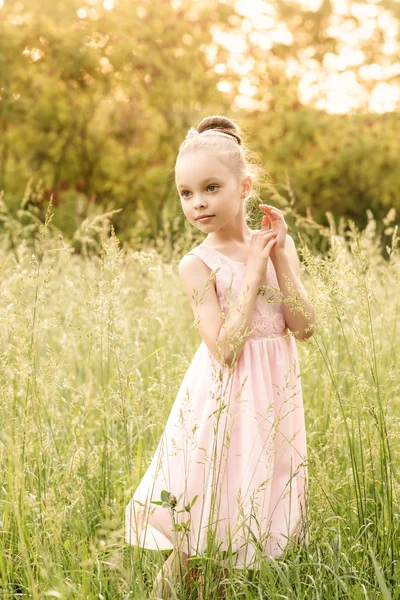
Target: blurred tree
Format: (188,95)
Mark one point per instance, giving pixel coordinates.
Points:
(97,99)
(345,164)
(95,102)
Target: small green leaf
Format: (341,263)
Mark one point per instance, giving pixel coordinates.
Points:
(164,496)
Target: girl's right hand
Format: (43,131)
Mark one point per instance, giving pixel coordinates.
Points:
(260,246)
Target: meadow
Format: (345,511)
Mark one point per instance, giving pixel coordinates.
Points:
(95,340)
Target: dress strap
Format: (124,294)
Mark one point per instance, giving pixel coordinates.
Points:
(207,255)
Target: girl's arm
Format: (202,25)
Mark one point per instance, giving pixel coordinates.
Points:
(298,310)
(224,335)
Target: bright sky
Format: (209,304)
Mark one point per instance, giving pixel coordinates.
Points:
(333,86)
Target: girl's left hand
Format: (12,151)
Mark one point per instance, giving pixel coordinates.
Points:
(275,217)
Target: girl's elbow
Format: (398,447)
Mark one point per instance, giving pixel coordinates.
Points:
(305,334)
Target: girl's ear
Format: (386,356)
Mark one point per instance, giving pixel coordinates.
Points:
(246,186)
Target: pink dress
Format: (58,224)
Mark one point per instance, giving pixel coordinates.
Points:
(235,440)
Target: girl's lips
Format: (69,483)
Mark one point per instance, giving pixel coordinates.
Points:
(204,219)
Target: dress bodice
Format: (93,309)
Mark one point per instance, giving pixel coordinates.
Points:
(268,316)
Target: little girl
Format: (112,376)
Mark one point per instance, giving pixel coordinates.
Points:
(229,473)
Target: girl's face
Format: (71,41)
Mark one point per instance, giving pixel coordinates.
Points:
(207,186)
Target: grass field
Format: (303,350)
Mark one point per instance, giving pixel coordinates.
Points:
(93,348)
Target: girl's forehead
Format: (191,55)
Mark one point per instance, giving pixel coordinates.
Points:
(198,171)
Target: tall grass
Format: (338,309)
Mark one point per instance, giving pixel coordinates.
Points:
(94,345)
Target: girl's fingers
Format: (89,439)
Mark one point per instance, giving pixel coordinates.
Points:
(270,208)
(274,215)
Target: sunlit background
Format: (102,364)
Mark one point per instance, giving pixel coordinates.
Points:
(97,94)
(343,81)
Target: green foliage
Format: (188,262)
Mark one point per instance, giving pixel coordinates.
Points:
(344,164)
(85,109)
(94,104)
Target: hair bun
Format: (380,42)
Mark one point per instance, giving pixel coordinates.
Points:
(220,123)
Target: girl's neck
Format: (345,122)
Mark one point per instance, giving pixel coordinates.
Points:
(224,241)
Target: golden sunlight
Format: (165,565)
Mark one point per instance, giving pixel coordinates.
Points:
(342,82)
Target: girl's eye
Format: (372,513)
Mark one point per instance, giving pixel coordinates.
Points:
(210,185)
